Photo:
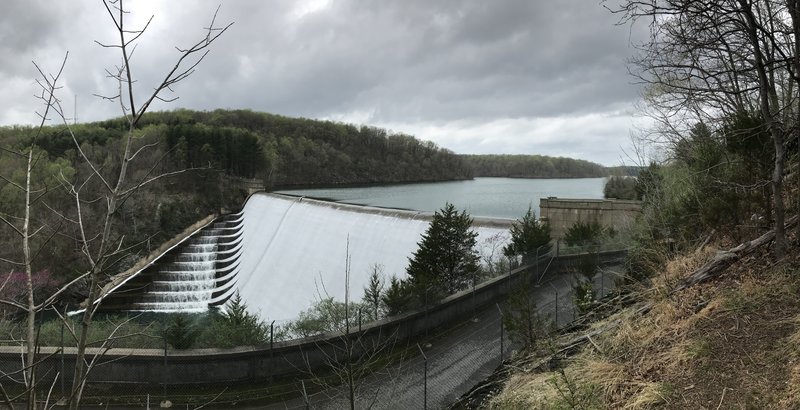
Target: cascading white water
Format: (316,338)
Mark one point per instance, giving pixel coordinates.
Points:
(187,283)
(281,254)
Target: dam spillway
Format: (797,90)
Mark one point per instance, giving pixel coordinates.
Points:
(295,250)
(286,253)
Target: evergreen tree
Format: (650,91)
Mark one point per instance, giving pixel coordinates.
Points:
(373,292)
(181,332)
(240,327)
(620,187)
(528,235)
(397,297)
(446,259)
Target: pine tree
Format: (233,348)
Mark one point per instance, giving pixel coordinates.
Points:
(181,332)
(373,291)
(243,327)
(397,297)
(528,235)
(446,259)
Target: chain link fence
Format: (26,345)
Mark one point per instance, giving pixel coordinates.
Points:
(431,370)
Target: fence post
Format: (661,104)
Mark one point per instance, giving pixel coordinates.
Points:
(164,373)
(424,378)
(602,283)
(271,361)
(62,357)
(501,332)
(556,315)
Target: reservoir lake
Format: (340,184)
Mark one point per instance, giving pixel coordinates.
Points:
(506,198)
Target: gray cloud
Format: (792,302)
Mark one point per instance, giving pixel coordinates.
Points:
(450,71)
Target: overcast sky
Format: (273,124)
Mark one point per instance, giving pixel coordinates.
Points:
(513,76)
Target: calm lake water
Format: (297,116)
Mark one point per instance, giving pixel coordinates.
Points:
(487,197)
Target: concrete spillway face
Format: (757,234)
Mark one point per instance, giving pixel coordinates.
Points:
(294,250)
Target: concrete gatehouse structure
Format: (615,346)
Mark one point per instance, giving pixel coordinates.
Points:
(562,213)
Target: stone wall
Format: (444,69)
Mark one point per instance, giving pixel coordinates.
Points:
(562,213)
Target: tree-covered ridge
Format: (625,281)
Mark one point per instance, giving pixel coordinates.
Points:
(533,166)
(281,151)
(300,151)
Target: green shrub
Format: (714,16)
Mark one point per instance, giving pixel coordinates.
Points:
(181,332)
(234,326)
(529,238)
(621,187)
(584,233)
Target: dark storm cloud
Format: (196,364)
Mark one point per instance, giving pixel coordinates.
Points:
(447,70)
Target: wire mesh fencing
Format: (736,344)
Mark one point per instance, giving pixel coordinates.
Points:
(431,369)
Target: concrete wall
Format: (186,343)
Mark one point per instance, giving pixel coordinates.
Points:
(562,213)
(285,359)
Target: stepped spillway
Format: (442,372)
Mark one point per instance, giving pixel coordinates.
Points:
(198,273)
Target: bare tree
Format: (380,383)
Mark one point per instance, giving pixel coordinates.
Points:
(26,231)
(93,214)
(705,60)
(351,358)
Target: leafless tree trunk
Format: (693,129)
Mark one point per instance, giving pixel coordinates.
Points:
(26,233)
(350,358)
(706,60)
(98,246)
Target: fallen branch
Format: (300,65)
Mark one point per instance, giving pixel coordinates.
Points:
(723,259)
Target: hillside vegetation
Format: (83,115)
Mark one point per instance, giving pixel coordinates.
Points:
(533,166)
(728,343)
(707,315)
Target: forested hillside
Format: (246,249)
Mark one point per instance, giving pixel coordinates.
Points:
(198,151)
(532,166)
(297,151)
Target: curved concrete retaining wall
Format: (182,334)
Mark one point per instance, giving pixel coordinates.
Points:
(285,359)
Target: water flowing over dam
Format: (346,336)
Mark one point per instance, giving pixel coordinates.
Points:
(295,250)
(283,254)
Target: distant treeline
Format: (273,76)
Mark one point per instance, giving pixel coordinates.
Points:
(533,166)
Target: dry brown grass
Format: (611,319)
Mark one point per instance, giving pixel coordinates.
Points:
(730,343)
(526,391)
